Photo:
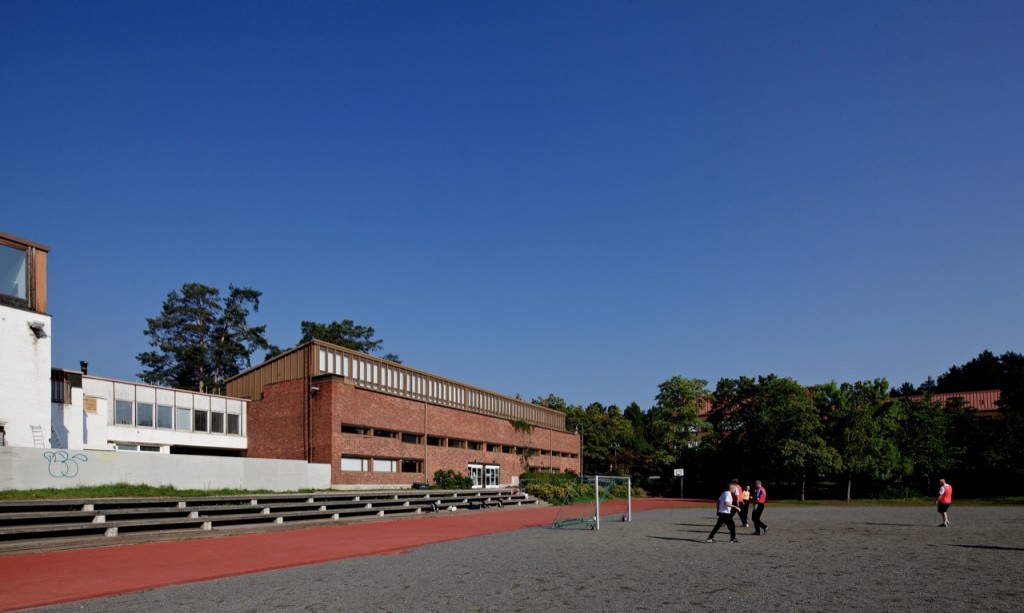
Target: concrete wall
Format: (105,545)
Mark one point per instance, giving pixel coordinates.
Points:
(25,468)
(24,376)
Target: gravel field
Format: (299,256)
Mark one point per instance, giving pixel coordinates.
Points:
(829,558)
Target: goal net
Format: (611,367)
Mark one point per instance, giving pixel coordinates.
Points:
(594,497)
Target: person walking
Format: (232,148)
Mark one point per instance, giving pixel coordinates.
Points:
(760,497)
(745,505)
(726,505)
(943,501)
(737,496)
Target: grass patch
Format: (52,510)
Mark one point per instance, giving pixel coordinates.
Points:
(122,490)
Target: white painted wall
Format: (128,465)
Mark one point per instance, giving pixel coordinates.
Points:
(24,376)
(25,468)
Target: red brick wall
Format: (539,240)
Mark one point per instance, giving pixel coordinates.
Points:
(354,406)
(275,426)
(276,430)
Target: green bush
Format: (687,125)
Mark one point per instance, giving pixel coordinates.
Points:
(556,488)
(451,480)
(553,488)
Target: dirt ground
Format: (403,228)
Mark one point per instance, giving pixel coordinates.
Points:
(829,558)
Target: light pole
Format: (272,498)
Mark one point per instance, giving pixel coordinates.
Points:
(615,458)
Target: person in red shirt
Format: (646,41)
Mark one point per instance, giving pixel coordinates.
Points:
(760,497)
(943,501)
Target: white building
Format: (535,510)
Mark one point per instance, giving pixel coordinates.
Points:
(104,414)
(61,409)
(25,347)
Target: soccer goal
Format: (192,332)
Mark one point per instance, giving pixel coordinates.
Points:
(599,487)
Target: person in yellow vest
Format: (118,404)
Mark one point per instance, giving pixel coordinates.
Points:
(943,501)
(745,505)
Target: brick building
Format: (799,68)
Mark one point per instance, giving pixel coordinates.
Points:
(378,423)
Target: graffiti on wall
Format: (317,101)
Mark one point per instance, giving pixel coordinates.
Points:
(63,465)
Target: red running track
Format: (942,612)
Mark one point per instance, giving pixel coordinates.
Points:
(37,579)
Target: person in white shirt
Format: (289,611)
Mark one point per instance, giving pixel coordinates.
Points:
(726,504)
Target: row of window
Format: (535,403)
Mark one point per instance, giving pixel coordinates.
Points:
(362,464)
(481,475)
(453,443)
(167,417)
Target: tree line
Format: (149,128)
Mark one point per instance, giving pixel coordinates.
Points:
(834,440)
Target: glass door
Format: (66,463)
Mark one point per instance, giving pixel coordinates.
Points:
(491,476)
(476,473)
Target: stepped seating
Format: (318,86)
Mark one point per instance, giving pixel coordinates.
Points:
(110,517)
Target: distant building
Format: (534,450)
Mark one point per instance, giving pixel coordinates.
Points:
(378,423)
(984,402)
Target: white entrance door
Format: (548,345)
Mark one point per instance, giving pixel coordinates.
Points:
(491,476)
(476,473)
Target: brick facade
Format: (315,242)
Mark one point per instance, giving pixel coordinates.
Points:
(432,435)
(275,425)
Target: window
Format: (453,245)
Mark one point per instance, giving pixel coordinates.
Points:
(14,275)
(411,438)
(144,414)
(164,416)
(384,433)
(474,445)
(384,465)
(493,447)
(217,422)
(412,466)
(136,447)
(182,418)
(457,443)
(234,423)
(355,464)
(199,421)
(123,412)
(435,441)
(347,429)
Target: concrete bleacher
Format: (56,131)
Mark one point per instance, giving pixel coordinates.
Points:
(111,517)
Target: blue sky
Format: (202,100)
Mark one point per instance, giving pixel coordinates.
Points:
(572,198)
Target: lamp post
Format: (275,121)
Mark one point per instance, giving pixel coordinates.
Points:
(615,457)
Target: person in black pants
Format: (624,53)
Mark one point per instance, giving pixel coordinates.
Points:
(744,505)
(725,509)
(760,496)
